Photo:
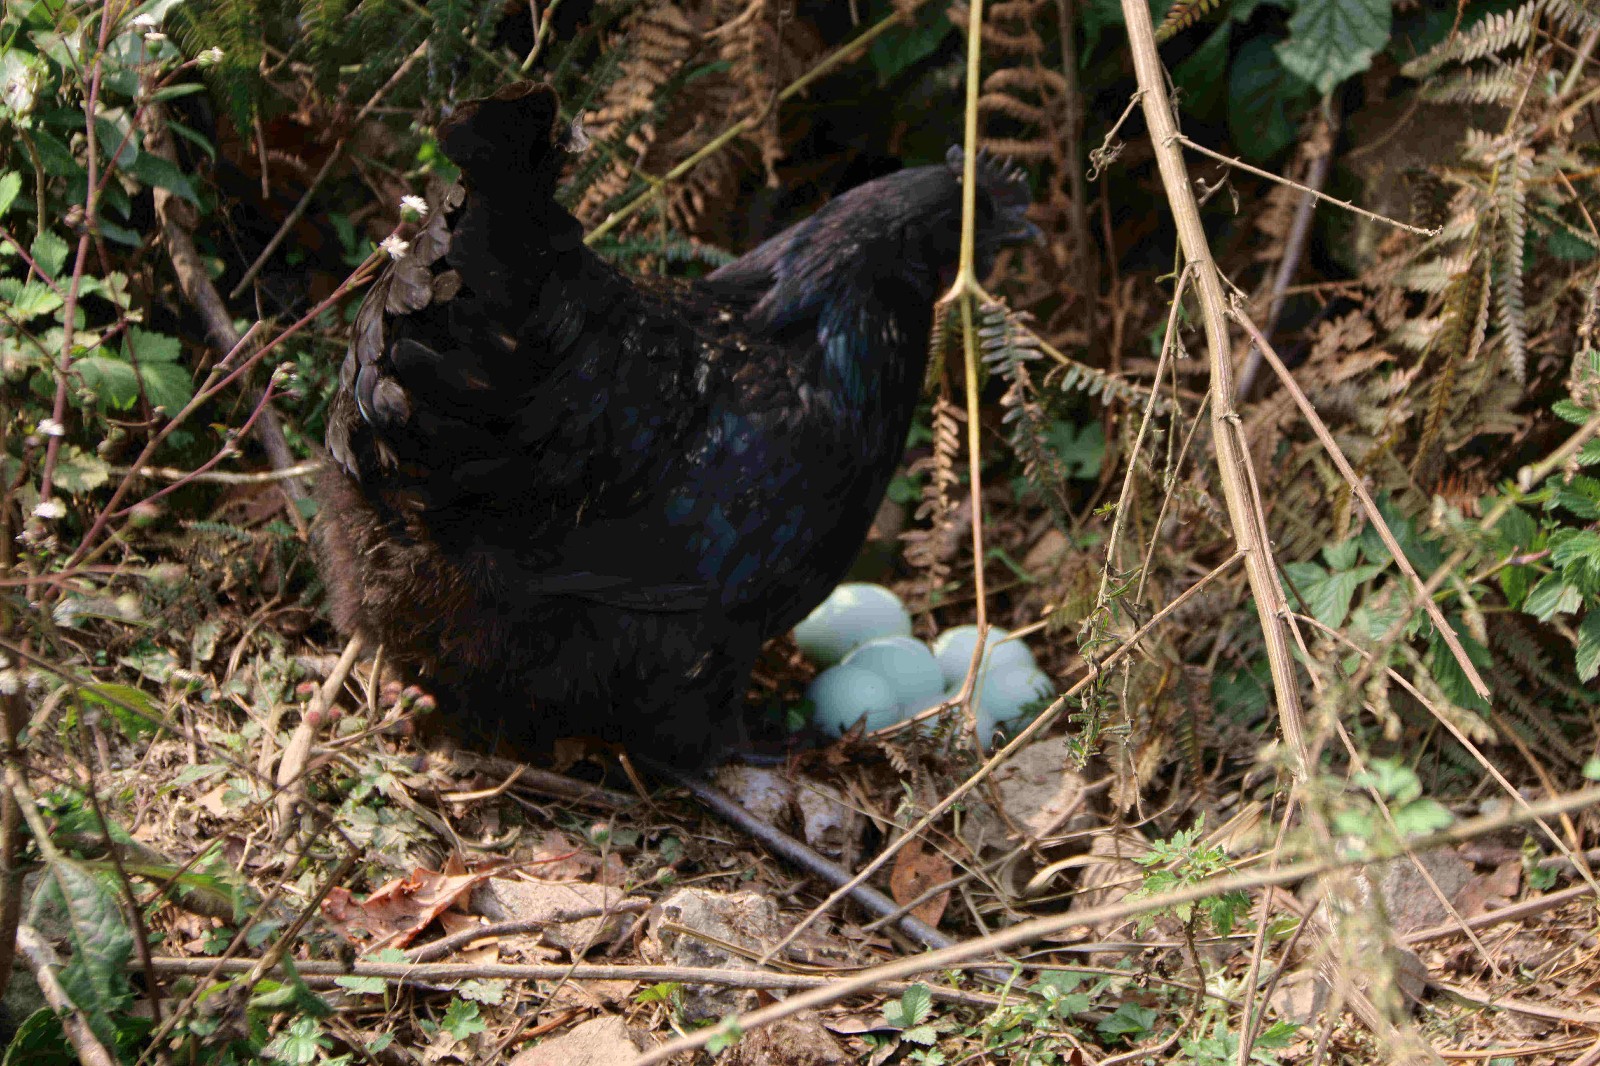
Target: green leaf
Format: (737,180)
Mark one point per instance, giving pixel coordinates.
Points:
(1423,816)
(1202,78)
(461,1019)
(151,347)
(1589,645)
(1329,40)
(904,46)
(10,186)
(96,978)
(1342,556)
(1265,101)
(80,471)
(1568,411)
(39,1041)
(362,986)
(133,708)
(1551,597)
(916,1003)
(109,378)
(153,170)
(167,386)
(920,1034)
(28,299)
(50,252)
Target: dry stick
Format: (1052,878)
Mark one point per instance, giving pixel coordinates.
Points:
(1515,912)
(1249,525)
(1353,479)
(291,779)
(222,477)
(845,53)
(448,973)
(327,167)
(196,286)
(1036,929)
(1294,249)
(75,1025)
(1016,744)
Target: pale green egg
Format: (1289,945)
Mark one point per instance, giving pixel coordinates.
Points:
(853,614)
(908,666)
(953,650)
(843,694)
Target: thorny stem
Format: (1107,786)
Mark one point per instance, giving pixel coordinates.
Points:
(1244,511)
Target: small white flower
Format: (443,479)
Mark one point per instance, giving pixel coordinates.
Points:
(209,58)
(414,204)
(51,428)
(50,510)
(146,21)
(152,37)
(396,247)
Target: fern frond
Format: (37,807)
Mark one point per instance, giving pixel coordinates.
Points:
(1181,16)
(1478,87)
(1008,347)
(1496,33)
(1511,196)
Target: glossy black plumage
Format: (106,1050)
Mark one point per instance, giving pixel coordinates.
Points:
(572,502)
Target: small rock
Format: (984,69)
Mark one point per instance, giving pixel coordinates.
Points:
(763,792)
(825,820)
(501,899)
(797,1041)
(1039,791)
(600,1042)
(747,919)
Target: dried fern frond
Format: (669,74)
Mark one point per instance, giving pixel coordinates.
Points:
(931,548)
(1182,15)
(1007,348)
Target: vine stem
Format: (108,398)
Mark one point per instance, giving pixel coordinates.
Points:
(1244,506)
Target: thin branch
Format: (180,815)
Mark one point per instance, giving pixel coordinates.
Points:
(1233,457)
(1356,485)
(1258,172)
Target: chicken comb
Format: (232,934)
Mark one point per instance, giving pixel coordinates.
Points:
(992,170)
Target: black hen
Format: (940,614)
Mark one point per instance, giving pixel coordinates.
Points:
(575,503)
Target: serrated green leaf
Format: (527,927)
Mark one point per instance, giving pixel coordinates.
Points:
(50,252)
(151,347)
(110,379)
(1551,597)
(1423,816)
(1568,411)
(916,1003)
(167,386)
(96,977)
(1588,651)
(920,1034)
(80,471)
(1329,40)
(10,187)
(29,299)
